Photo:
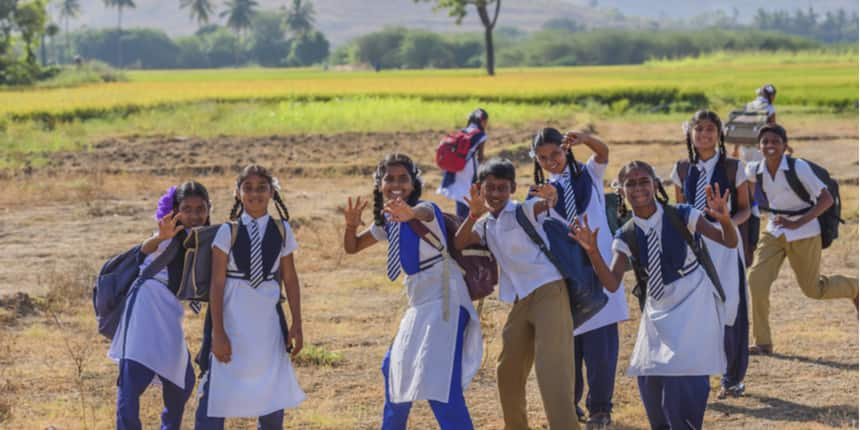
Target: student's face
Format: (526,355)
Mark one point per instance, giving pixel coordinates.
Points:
(397,182)
(639,188)
(551,158)
(705,135)
(497,192)
(255,193)
(485,123)
(771,146)
(193,211)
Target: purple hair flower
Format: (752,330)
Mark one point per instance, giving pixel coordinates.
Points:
(165,204)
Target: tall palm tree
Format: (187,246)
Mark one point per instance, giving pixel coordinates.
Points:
(239,14)
(300,18)
(200,10)
(69,9)
(119,5)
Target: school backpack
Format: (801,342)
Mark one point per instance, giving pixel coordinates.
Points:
(829,220)
(119,276)
(481,272)
(628,235)
(454,150)
(585,293)
(197,272)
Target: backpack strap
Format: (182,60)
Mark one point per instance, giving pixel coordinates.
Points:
(683,170)
(794,182)
(161,261)
(428,236)
(700,251)
(424,233)
(523,221)
(628,235)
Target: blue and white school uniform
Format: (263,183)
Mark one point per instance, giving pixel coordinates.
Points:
(150,347)
(455,185)
(259,380)
(680,338)
(596,340)
(729,262)
(438,347)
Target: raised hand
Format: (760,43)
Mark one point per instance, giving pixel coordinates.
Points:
(573,138)
(546,192)
(581,232)
(169,226)
(718,204)
(399,210)
(477,205)
(352,213)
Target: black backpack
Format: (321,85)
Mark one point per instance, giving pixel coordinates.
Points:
(829,220)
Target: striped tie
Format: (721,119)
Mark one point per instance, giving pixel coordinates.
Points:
(569,198)
(393,250)
(655,274)
(701,196)
(256,255)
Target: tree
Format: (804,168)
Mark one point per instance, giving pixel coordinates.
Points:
(200,10)
(51,30)
(457,9)
(119,5)
(239,14)
(268,45)
(30,19)
(300,18)
(69,9)
(309,49)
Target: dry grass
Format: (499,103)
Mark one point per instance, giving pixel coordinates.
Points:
(53,369)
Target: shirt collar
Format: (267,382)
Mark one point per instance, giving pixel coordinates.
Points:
(762,165)
(709,164)
(647,224)
(261,221)
(554,177)
(511,206)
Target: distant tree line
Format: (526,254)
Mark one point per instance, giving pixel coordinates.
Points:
(830,27)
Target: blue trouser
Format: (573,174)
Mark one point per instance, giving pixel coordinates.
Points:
(453,415)
(202,421)
(133,380)
(462,210)
(599,350)
(736,339)
(674,402)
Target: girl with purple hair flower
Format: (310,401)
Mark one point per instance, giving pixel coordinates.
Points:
(149,344)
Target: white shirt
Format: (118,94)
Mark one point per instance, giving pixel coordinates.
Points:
(682,333)
(709,165)
(523,267)
(780,196)
(422,353)
(616,309)
(459,189)
(761,103)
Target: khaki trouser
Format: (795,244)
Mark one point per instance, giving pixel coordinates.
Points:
(539,330)
(804,256)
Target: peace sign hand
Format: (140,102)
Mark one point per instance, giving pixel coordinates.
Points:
(352,213)
(169,226)
(477,205)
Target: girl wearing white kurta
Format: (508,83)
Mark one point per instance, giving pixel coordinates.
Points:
(437,349)
(149,344)
(708,165)
(250,373)
(580,192)
(680,340)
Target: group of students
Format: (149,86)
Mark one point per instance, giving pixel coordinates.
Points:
(690,261)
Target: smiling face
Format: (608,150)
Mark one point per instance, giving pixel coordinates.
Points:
(397,182)
(639,188)
(551,158)
(193,211)
(255,192)
(497,192)
(771,146)
(706,134)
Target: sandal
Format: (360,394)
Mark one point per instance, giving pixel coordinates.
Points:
(761,350)
(734,391)
(599,420)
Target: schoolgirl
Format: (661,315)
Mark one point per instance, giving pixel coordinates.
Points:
(438,347)
(707,164)
(455,185)
(149,344)
(251,374)
(680,339)
(580,192)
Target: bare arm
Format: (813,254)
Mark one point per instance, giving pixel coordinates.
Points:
(743,201)
(291,285)
(611,278)
(220,342)
(600,150)
(477,208)
(679,195)
(353,242)
(168,227)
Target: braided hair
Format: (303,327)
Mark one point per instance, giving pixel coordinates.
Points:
(551,136)
(394,159)
(661,196)
(704,115)
(257,170)
(192,189)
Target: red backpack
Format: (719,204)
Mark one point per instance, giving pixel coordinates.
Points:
(454,149)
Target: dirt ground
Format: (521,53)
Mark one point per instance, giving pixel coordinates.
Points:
(60,222)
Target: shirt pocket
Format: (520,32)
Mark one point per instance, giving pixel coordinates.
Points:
(514,240)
